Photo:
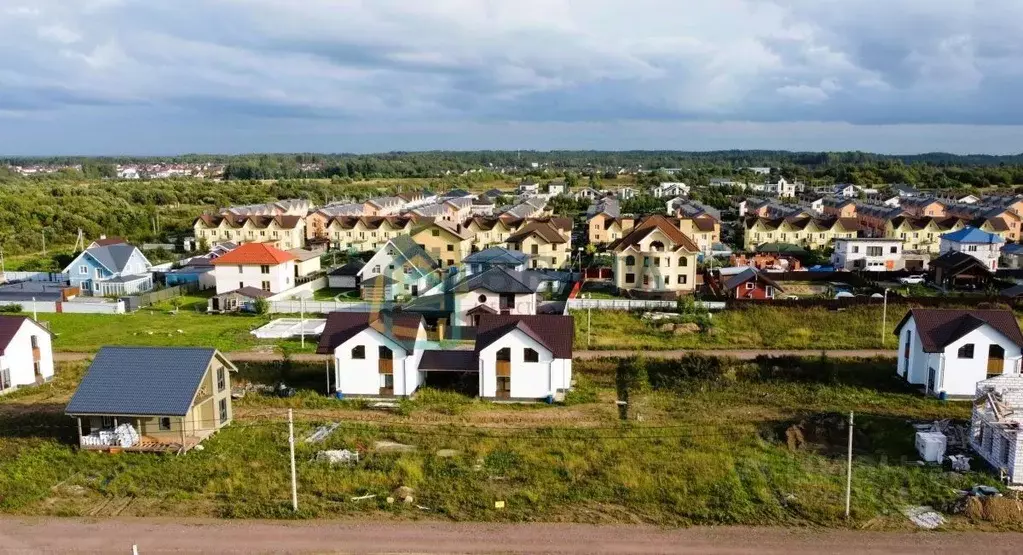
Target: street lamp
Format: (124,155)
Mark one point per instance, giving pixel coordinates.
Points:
(884,316)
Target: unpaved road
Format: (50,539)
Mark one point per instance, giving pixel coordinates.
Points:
(744,354)
(204,536)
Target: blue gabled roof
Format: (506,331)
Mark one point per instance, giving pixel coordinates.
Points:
(141,381)
(972,235)
(1012,248)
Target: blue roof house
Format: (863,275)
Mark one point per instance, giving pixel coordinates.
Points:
(485,259)
(985,247)
(155,399)
(111,270)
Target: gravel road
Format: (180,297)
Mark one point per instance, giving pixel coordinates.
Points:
(53,535)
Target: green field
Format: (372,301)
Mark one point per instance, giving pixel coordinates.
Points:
(701,451)
(751,328)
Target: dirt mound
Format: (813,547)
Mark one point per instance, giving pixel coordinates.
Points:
(997,510)
(827,432)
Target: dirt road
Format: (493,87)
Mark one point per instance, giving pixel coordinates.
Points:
(745,354)
(205,536)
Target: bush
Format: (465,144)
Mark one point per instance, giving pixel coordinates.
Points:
(261,306)
(10,308)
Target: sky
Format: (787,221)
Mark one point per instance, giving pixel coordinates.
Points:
(161,77)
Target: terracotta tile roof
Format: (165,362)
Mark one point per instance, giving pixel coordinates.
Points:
(938,327)
(254,253)
(555,332)
(646,226)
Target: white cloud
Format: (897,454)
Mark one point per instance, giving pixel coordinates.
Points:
(58,33)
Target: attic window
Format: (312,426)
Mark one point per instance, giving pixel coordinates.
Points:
(966,351)
(435,232)
(750,285)
(359,352)
(530,355)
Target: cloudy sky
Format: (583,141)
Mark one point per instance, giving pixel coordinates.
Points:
(226,76)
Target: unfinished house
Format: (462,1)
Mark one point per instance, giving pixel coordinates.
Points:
(154,399)
(995,425)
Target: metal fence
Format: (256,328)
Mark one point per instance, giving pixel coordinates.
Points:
(324,307)
(635,304)
(36,276)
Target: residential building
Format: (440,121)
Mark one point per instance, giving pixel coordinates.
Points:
(873,254)
(463,298)
(904,190)
(524,357)
(995,424)
(655,256)
(115,269)
(547,244)
(447,243)
(781,188)
(346,276)
(364,234)
(256,265)
(920,234)
(383,206)
(405,264)
(923,207)
(307,262)
(557,187)
(528,187)
(587,193)
(282,231)
(750,284)
(671,189)
(804,231)
(492,257)
(985,247)
(958,270)
(625,193)
(159,399)
(289,207)
(704,230)
(947,351)
(604,223)
(26,353)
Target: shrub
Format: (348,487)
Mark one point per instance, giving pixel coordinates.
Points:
(261,306)
(10,308)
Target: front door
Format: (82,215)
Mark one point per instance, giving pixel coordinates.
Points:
(386,368)
(931,375)
(995,360)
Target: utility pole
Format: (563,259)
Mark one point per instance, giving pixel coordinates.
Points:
(589,312)
(848,475)
(44,241)
(884,317)
(301,319)
(291,446)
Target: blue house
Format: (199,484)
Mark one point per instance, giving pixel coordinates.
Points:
(485,259)
(111,270)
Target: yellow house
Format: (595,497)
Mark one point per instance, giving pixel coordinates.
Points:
(921,234)
(655,256)
(489,232)
(811,233)
(159,399)
(704,230)
(447,243)
(547,243)
(284,232)
(349,233)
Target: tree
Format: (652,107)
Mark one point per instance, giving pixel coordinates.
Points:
(261,306)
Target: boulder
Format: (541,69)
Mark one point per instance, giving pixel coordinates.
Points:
(687,328)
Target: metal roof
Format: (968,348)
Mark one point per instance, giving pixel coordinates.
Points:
(142,381)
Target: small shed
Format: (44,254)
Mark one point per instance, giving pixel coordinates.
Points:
(307,262)
(958,270)
(347,276)
(238,300)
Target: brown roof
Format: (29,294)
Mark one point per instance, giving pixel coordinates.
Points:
(553,331)
(546,230)
(107,241)
(9,326)
(938,327)
(403,327)
(647,225)
(287,222)
(704,223)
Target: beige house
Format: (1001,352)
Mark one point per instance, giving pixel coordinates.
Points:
(656,256)
(804,231)
(446,243)
(921,234)
(704,230)
(284,232)
(547,245)
(157,399)
(361,234)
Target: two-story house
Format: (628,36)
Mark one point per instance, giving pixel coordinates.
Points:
(985,247)
(547,244)
(873,254)
(405,264)
(259,266)
(116,269)
(655,256)
(26,353)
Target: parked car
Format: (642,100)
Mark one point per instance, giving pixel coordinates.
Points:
(912,280)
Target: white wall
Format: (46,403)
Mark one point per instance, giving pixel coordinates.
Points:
(18,356)
(229,278)
(524,304)
(960,376)
(845,257)
(528,380)
(362,377)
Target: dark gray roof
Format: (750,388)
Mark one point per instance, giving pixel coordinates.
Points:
(112,257)
(747,275)
(449,360)
(350,269)
(496,255)
(414,254)
(500,280)
(143,381)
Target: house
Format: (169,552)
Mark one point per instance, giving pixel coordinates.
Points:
(346,276)
(105,241)
(604,223)
(158,399)
(257,265)
(891,200)
(307,262)
(968,199)
(482,206)
(375,354)
(704,230)
(873,254)
(116,269)
(750,284)
(491,257)
(805,231)
(282,231)
(383,206)
(920,234)
(625,193)
(26,353)
(524,357)
(405,267)
(447,243)
(781,188)
(463,298)
(995,424)
(547,243)
(242,299)
(923,207)
(528,187)
(904,190)
(985,247)
(366,234)
(947,351)
(557,187)
(671,189)
(845,190)
(587,193)
(1011,256)
(958,270)
(655,256)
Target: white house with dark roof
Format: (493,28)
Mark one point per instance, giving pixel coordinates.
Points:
(26,353)
(156,399)
(947,351)
(462,299)
(410,269)
(111,269)
(524,357)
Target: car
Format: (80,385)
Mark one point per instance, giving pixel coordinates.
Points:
(912,280)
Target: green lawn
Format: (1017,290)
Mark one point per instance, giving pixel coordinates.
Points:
(330,294)
(708,452)
(195,302)
(751,328)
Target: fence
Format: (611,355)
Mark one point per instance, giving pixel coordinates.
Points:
(36,276)
(152,297)
(324,307)
(635,304)
(308,287)
(848,302)
(71,307)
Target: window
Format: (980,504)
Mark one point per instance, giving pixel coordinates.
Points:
(84,270)
(376,269)
(223,411)
(646,280)
(875,251)
(683,262)
(435,232)
(240,268)
(630,278)
(530,355)
(630,260)
(682,279)
(856,249)
(750,285)
(165,424)
(966,351)
(359,352)
(221,379)
(451,262)
(482,299)
(895,250)
(387,381)
(451,248)
(266,286)
(657,261)
(264,269)
(5,379)
(35,341)
(971,248)
(646,261)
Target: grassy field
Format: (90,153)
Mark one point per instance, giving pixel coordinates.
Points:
(331,294)
(711,451)
(89,332)
(756,327)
